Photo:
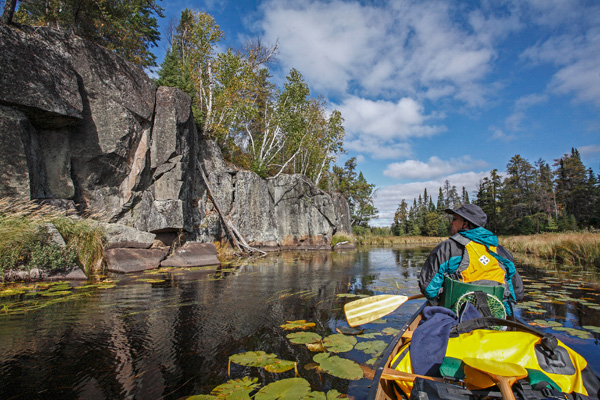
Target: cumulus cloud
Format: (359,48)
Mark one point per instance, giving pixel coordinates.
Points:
(386,119)
(380,50)
(433,168)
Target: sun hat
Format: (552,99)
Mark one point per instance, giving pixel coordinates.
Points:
(471,212)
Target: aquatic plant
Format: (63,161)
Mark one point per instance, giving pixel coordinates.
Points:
(26,244)
(578,249)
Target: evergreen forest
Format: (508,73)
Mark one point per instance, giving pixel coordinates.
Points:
(527,199)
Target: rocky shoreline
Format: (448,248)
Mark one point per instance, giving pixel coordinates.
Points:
(85,130)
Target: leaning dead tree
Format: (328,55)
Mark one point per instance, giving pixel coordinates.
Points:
(9,11)
(235,237)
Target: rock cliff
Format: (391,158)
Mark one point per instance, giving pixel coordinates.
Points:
(80,125)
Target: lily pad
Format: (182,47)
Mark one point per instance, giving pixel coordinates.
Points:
(270,362)
(253,358)
(339,367)
(370,335)
(280,366)
(331,395)
(372,347)
(338,343)
(391,331)
(315,347)
(238,389)
(57,293)
(285,389)
(151,280)
(299,324)
(304,337)
(349,331)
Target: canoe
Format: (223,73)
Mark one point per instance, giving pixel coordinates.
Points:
(384,386)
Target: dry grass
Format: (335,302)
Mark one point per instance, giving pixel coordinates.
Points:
(21,225)
(578,249)
(392,240)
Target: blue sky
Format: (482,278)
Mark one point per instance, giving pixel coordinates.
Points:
(434,90)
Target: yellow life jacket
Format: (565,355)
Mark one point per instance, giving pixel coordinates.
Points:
(516,347)
(478,264)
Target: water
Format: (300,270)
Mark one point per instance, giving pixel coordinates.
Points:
(170,335)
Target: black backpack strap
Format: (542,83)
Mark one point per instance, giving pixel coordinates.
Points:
(549,342)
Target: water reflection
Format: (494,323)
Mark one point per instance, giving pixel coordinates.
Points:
(169,334)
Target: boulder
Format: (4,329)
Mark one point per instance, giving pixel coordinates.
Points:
(134,260)
(119,235)
(193,254)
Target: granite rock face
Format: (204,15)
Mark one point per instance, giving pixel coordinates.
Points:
(82,126)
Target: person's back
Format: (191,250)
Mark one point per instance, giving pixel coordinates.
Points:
(471,255)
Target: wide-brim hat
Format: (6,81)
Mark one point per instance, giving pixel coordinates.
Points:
(471,212)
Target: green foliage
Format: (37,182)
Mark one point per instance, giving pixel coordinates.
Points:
(128,27)
(357,191)
(51,257)
(530,199)
(25,243)
(257,126)
(341,238)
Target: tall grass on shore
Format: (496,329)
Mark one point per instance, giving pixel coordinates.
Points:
(392,240)
(24,240)
(577,249)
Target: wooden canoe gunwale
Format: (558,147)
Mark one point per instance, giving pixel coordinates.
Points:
(382,389)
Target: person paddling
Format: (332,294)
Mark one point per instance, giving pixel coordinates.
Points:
(471,255)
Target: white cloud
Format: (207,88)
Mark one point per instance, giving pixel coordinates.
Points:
(379,150)
(385,119)
(498,134)
(589,150)
(396,49)
(433,168)
(387,199)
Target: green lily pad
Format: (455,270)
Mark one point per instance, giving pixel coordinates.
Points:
(11,292)
(285,389)
(299,324)
(338,343)
(372,347)
(253,358)
(595,329)
(280,366)
(270,362)
(391,331)
(237,389)
(370,335)
(151,280)
(201,397)
(331,395)
(338,367)
(57,293)
(304,337)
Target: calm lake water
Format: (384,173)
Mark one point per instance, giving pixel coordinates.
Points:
(169,334)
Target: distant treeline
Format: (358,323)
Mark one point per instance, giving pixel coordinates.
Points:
(528,199)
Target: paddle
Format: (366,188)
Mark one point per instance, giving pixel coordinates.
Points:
(369,309)
(503,374)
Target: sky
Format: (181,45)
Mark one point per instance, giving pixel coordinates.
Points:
(433,90)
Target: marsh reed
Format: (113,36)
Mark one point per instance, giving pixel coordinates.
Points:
(577,249)
(24,239)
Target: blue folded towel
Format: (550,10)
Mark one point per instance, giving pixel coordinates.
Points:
(430,339)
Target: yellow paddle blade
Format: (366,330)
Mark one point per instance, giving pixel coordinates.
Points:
(369,309)
(497,368)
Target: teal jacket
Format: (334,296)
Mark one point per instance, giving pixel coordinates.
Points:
(446,260)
